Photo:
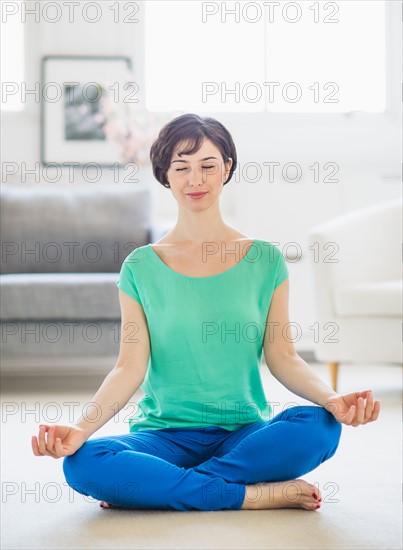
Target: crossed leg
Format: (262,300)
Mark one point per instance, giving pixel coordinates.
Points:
(161,475)
(293,443)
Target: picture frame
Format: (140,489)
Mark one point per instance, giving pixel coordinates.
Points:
(71,116)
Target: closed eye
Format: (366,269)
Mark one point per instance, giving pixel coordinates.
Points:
(204,167)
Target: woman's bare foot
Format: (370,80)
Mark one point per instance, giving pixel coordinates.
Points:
(296,493)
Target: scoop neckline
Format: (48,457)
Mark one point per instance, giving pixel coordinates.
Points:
(209,277)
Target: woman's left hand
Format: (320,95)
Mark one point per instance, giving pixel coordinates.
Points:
(352,410)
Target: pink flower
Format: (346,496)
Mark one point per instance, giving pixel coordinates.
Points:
(130,127)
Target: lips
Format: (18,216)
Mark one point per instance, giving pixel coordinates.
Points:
(197,194)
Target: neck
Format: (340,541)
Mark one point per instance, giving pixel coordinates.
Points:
(200,227)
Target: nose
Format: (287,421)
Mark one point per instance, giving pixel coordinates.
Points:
(195,179)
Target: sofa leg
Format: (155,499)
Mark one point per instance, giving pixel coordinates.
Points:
(334,370)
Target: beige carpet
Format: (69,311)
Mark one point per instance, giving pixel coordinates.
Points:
(360,485)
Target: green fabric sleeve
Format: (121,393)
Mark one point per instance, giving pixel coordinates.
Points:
(126,281)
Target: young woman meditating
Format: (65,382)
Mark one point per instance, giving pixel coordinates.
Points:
(199,307)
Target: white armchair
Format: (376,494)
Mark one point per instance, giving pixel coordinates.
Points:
(358,287)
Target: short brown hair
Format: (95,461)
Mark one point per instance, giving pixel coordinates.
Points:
(192,129)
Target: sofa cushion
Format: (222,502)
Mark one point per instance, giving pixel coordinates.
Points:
(70,228)
(59,296)
(374,299)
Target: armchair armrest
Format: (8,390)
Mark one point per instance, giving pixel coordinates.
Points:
(360,246)
(357,247)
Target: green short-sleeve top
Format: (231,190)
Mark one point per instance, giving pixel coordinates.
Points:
(206,339)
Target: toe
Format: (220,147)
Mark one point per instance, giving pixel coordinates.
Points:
(316,494)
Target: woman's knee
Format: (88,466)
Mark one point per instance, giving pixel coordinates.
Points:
(85,464)
(80,468)
(328,430)
(75,466)
(80,476)
(323,426)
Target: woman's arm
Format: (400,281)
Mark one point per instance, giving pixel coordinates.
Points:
(127,375)
(297,376)
(294,373)
(117,388)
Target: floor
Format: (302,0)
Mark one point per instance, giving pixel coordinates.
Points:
(360,485)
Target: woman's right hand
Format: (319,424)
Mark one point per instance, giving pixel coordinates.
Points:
(61,440)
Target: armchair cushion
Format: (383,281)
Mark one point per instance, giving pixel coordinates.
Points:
(374,299)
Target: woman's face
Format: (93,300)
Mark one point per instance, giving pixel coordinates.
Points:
(202,172)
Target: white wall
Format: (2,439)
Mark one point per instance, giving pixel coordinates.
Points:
(365,147)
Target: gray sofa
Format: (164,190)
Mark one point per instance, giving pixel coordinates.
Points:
(62,249)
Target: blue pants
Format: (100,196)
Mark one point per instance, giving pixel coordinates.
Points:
(204,468)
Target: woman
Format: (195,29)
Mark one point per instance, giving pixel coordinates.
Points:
(198,309)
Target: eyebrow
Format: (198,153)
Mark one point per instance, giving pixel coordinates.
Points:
(201,160)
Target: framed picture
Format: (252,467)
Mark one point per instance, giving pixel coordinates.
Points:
(71,114)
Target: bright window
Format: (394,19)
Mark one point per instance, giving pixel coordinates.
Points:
(258,56)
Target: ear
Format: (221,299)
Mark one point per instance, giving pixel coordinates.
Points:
(228,166)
